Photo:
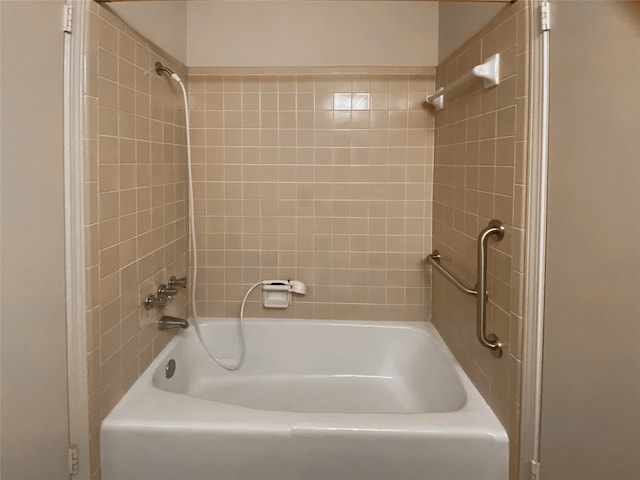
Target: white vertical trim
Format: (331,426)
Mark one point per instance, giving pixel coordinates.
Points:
(535,246)
(0,245)
(74,240)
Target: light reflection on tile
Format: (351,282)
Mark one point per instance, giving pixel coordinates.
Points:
(341,101)
(361,101)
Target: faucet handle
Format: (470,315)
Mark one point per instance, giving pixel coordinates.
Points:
(166,291)
(177,282)
(154,300)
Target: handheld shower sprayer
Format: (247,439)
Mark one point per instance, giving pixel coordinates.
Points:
(296,286)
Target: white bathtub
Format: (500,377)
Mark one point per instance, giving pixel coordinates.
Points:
(315,400)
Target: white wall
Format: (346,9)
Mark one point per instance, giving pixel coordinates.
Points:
(33,413)
(307,33)
(311,33)
(591,380)
(459,20)
(289,33)
(164,23)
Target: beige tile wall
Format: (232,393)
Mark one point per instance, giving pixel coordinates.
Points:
(317,174)
(480,174)
(135,174)
(321,174)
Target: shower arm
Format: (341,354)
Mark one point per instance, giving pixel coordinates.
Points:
(160,69)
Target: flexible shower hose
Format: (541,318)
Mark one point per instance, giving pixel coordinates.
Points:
(194,256)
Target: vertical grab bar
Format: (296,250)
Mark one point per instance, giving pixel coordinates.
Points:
(490,341)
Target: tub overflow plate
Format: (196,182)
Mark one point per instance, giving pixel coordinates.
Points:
(170,369)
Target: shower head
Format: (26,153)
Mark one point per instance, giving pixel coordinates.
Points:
(160,69)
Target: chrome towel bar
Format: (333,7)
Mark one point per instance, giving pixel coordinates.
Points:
(489,71)
(490,340)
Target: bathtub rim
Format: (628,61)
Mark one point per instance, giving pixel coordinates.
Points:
(145,406)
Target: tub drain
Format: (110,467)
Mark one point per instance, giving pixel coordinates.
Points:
(170,369)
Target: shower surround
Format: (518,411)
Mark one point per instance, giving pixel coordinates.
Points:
(135,206)
(322,174)
(319,174)
(480,173)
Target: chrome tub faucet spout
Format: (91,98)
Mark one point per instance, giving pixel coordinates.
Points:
(168,322)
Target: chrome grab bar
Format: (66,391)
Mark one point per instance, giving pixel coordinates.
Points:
(435,258)
(490,340)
